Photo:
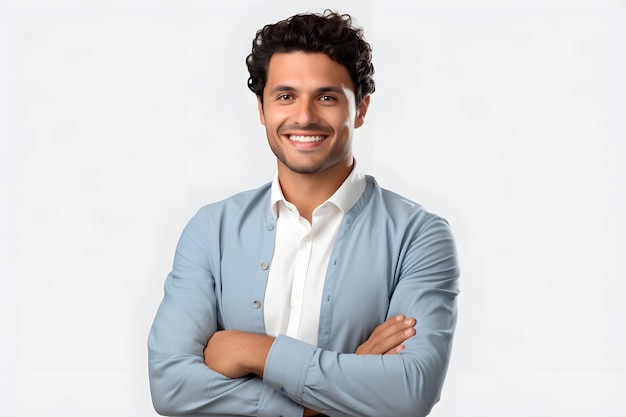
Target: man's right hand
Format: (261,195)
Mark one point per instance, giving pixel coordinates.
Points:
(387,338)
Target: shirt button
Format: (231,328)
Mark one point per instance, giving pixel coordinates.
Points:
(263,265)
(307,239)
(270,227)
(256,304)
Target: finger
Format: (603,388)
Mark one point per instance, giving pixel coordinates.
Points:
(392,327)
(396,340)
(388,335)
(395,350)
(378,344)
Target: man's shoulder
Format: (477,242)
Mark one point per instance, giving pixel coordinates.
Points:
(399,207)
(390,199)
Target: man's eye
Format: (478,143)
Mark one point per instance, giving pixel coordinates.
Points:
(327,98)
(285,97)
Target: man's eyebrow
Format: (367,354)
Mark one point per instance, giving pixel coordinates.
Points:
(321,90)
(331,89)
(281,89)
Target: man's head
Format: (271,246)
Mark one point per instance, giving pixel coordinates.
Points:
(328,33)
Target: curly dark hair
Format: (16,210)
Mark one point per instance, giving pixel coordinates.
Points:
(330,33)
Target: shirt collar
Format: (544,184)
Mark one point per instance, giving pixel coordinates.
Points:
(344,198)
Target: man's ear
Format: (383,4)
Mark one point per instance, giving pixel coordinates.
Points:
(361,111)
(261,115)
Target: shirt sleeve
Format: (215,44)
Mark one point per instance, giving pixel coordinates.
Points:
(405,384)
(180,382)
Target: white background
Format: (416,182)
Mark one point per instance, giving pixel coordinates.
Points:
(119,119)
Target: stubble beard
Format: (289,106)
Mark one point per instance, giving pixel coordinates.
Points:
(330,161)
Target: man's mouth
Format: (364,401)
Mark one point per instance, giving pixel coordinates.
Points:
(306,139)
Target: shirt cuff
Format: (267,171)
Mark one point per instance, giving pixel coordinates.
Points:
(287,366)
(272,403)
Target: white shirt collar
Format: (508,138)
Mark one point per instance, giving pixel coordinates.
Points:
(344,198)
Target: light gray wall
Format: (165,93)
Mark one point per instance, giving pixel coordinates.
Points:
(119,119)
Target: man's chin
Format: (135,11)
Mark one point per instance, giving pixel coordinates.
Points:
(304,170)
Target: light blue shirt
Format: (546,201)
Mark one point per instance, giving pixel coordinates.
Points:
(390,257)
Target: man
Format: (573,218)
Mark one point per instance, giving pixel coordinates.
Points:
(320,293)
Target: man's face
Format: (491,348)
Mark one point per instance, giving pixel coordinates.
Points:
(309,112)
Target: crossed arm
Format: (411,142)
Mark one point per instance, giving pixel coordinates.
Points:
(236,354)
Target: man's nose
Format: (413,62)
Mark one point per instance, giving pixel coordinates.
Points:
(305,113)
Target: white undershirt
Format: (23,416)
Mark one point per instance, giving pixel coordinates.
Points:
(301,253)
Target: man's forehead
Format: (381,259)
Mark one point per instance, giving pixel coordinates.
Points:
(293,57)
(299,68)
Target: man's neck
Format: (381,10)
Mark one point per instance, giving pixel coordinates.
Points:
(308,191)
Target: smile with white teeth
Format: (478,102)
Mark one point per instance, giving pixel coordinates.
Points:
(304,139)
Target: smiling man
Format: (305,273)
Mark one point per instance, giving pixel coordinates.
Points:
(320,292)
(310,112)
